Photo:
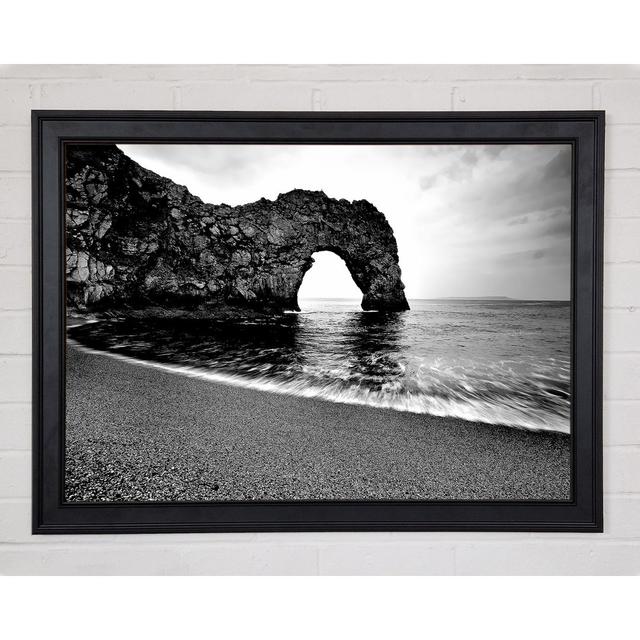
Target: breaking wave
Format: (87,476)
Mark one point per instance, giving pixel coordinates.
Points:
(504,363)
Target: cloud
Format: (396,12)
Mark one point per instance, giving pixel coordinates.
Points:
(558,223)
(552,254)
(228,163)
(464,159)
(559,167)
(493,151)
(470,157)
(427,182)
(521,220)
(525,180)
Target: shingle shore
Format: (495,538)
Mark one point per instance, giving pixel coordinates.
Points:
(140,434)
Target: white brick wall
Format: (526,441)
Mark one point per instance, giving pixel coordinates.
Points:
(613,88)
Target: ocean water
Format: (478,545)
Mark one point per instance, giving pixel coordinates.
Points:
(493,361)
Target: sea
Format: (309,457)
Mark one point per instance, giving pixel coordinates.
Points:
(502,362)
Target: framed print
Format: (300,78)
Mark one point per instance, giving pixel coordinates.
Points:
(317,321)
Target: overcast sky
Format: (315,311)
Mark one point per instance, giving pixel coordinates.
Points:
(470,220)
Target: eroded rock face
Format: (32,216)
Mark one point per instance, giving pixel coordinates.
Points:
(136,240)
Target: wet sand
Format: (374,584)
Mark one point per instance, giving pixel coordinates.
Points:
(136,433)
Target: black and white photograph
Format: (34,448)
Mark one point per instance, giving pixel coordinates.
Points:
(318,322)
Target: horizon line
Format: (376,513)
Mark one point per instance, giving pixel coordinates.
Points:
(479,298)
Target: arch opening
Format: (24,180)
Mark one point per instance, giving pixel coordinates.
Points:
(329,280)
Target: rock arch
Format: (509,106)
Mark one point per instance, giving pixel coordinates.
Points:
(377,276)
(328,278)
(136,240)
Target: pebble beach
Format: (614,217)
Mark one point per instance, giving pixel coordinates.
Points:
(139,434)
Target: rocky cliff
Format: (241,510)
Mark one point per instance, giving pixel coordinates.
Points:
(136,240)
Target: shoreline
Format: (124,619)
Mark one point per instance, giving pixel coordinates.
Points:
(138,433)
(268,386)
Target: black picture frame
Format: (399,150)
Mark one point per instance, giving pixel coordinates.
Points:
(51,130)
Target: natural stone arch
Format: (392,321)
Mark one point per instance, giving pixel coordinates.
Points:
(356,232)
(377,282)
(328,278)
(138,240)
